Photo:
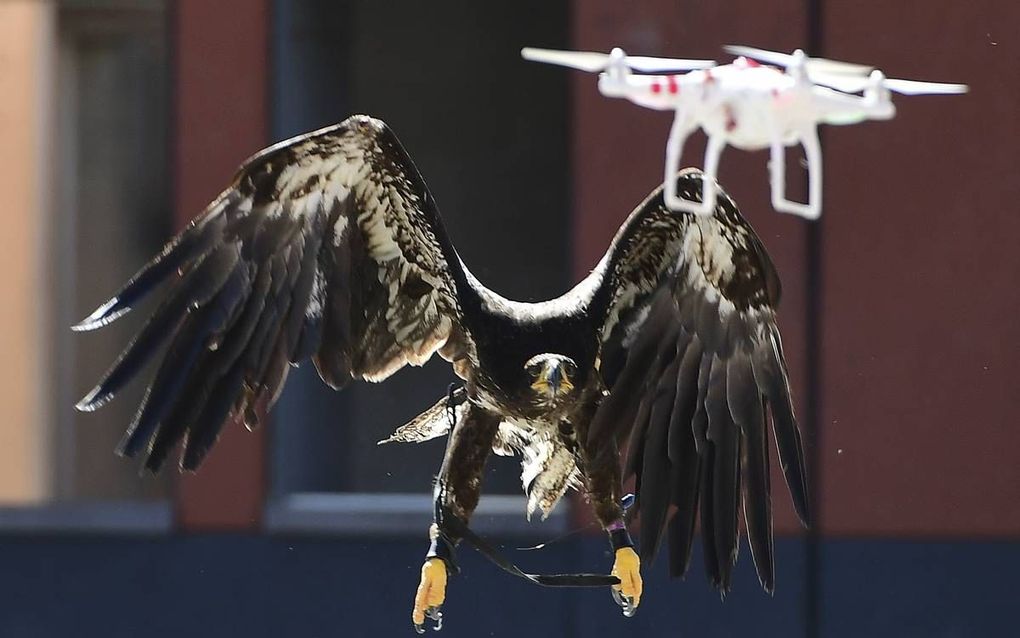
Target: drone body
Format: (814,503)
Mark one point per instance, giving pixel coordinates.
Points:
(749,106)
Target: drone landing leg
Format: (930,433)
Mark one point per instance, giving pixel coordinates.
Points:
(813,155)
(813,152)
(709,184)
(674,147)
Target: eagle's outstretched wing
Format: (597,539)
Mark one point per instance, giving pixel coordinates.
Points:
(326,246)
(693,362)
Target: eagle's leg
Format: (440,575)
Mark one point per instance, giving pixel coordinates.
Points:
(604,488)
(457,490)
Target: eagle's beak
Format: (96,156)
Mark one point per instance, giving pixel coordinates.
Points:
(553,380)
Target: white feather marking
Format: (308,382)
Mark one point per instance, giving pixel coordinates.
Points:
(635,326)
(339,230)
(310,204)
(244,206)
(317,298)
(385,368)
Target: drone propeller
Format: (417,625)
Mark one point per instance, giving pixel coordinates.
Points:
(595,62)
(811,65)
(849,84)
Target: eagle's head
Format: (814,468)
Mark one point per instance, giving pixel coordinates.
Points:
(551,376)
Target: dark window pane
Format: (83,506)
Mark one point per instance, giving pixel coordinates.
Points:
(488,132)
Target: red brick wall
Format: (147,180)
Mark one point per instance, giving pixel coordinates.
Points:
(919,361)
(221,89)
(921,342)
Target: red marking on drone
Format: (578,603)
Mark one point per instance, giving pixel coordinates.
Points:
(746,63)
(671,81)
(731,122)
(656,87)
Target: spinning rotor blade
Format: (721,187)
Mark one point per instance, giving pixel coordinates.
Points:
(647,64)
(813,65)
(915,87)
(849,84)
(581,60)
(595,62)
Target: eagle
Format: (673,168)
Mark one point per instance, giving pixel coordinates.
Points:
(665,363)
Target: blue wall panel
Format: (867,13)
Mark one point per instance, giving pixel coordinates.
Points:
(253,586)
(911,588)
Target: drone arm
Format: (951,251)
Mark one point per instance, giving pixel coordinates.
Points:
(682,126)
(834,107)
(838,108)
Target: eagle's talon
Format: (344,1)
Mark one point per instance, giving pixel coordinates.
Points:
(430,595)
(436,615)
(629,609)
(626,604)
(627,568)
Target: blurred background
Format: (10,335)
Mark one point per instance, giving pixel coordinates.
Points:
(121,119)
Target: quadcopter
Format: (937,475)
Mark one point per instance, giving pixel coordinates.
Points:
(748,105)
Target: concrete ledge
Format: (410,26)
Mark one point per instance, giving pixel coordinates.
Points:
(402,515)
(89,517)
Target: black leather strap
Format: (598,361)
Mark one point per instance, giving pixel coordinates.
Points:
(457,527)
(619,538)
(442,546)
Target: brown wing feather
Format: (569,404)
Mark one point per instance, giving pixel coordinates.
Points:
(328,245)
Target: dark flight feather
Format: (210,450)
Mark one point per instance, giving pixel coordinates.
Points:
(197,286)
(685,463)
(653,386)
(193,243)
(725,488)
(725,290)
(187,346)
(771,378)
(276,271)
(654,491)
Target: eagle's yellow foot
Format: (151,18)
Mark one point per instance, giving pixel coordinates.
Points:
(627,568)
(430,595)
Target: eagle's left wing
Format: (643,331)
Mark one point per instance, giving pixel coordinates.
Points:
(693,362)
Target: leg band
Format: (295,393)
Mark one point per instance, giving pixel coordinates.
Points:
(444,547)
(618,536)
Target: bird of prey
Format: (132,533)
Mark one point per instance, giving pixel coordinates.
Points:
(665,362)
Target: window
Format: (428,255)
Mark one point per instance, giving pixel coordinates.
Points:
(112,214)
(495,158)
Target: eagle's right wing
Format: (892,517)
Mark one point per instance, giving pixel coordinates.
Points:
(327,246)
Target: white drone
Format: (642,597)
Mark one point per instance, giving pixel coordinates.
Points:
(747,105)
